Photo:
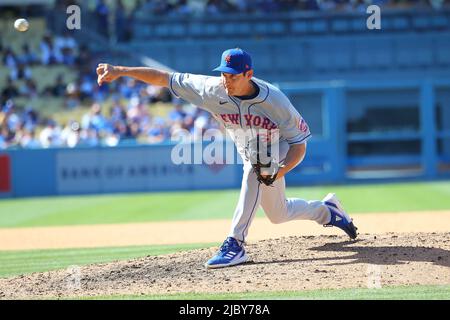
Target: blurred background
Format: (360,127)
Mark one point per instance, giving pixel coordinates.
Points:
(377,101)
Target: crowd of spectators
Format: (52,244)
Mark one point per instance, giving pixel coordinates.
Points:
(120,112)
(61,50)
(127,117)
(129,123)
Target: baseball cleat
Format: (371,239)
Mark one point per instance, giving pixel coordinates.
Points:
(339,218)
(229,254)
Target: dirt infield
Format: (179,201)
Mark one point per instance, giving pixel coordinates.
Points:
(392,249)
(208,231)
(290,263)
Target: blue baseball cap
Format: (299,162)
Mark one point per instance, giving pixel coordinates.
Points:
(234,61)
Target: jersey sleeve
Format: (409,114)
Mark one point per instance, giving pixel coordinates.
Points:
(189,87)
(295,129)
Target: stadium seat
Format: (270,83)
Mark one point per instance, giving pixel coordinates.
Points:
(359,24)
(400,23)
(161,31)
(440,22)
(262,58)
(442,52)
(178,30)
(340,25)
(319,26)
(289,57)
(421,22)
(189,58)
(201,29)
(411,52)
(299,27)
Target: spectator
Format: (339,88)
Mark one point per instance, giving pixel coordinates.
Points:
(102,18)
(120,21)
(157,132)
(10,91)
(94,119)
(28,57)
(30,119)
(51,135)
(90,137)
(29,89)
(22,72)
(72,95)
(86,85)
(182,8)
(70,135)
(59,87)
(29,140)
(66,42)
(9,59)
(49,54)
(118,111)
(6,137)
(177,114)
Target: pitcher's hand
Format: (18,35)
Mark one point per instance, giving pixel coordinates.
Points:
(106,73)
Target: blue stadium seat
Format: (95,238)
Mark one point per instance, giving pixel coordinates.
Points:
(162,30)
(189,58)
(400,23)
(320,57)
(440,21)
(212,29)
(412,52)
(269,28)
(342,55)
(230,28)
(421,22)
(299,27)
(262,27)
(244,28)
(262,56)
(277,28)
(341,25)
(442,51)
(359,24)
(178,30)
(319,26)
(373,53)
(289,57)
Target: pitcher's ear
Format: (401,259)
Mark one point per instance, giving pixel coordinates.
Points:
(248,74)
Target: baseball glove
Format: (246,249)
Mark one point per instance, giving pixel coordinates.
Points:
(264,165)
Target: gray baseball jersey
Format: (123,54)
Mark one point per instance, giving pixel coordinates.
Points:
(270,110)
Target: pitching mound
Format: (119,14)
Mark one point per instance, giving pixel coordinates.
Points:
(291,263)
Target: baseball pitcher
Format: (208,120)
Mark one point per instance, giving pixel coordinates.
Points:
(242,103)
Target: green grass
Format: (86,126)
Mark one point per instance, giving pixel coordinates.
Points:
(391,293)
(147,207)
(21,262)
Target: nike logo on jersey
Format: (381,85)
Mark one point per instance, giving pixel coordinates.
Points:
(222,102)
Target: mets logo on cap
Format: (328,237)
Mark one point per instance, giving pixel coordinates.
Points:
(228,59)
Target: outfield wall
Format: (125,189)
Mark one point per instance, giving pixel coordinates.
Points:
(107,170)
(63,171)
